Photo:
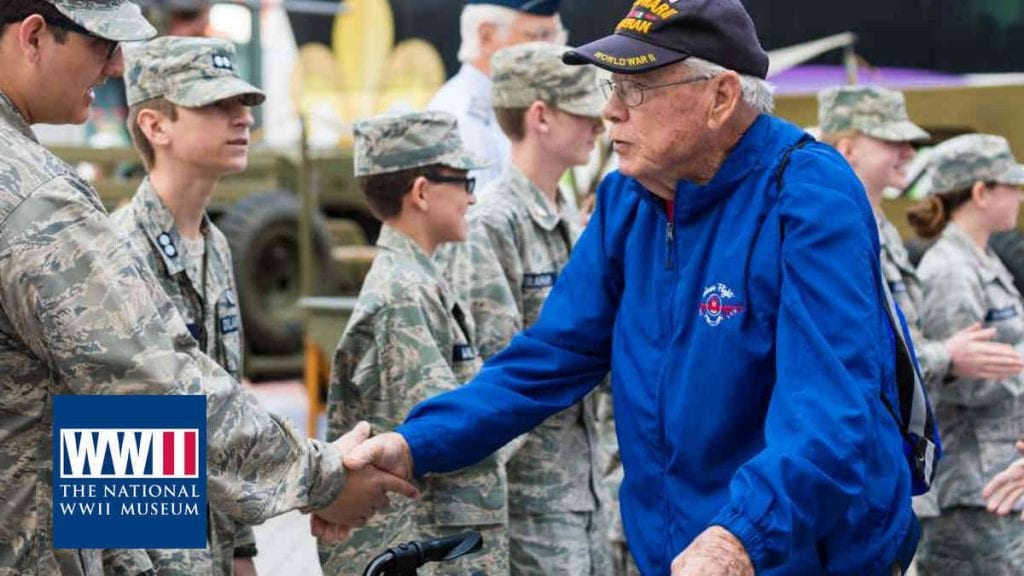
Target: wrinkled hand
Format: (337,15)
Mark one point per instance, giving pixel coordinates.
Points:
(388,452)
(973,356)
(1007,488)
(715,552)
(365,492)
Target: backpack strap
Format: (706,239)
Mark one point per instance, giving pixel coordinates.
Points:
(914,417)
(917,423)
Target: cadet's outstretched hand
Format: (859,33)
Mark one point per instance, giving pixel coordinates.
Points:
(388,452)
(365,492)
(1007,487)
(973,355)
(715,552)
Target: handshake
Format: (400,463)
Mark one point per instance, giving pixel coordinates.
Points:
(373,467)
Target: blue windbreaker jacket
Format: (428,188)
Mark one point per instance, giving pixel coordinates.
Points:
(748,350)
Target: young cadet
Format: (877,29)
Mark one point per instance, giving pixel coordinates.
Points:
(81,312)
(551,114)
(189,118)
(409,339)
(975,188)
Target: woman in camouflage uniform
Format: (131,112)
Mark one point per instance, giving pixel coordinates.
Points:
(975,189)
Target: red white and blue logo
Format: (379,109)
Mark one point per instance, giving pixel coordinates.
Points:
(717,304)
(129,472)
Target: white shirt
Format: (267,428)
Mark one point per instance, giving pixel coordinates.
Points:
(467,96)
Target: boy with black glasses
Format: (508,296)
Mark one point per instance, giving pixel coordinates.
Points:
(409,339)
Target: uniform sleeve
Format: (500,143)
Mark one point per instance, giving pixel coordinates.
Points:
(84,302)
(545,369)
(354,370)
(953,300)
(932,355)
(388,363)
(497,294)
(127,562)
(820,421)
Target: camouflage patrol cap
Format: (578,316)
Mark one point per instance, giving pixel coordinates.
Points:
(189,72)
(525,73)
(399,142)
(117,20)
(959,162)
(877,112)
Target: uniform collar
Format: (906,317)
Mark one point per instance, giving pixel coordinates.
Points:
(157,223)
(745,155)
(987,268)
(10,115)
(537,204)
(394,241)
(399,244)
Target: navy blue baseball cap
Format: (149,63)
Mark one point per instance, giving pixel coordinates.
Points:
(657,33)
(538,7)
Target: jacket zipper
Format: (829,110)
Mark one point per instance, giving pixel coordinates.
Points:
(670,245)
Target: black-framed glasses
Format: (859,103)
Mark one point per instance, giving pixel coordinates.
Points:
(468,181)
(631,92)
(69,25)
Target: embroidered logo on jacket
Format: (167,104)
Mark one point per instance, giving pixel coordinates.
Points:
(714,307)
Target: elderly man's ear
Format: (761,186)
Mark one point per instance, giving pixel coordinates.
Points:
(727,93)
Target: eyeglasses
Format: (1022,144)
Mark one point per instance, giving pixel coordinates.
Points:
(70,26)
(631,92)
(468,182)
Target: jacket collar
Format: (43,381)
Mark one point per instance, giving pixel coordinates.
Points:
(394,241)
(692,199)
(986,260)
(158,225)
(536,202)
(9,114)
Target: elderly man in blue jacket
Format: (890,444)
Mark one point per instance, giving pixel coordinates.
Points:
(729,279)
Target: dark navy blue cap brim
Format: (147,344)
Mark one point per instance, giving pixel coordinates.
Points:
(623,54)
(538,7)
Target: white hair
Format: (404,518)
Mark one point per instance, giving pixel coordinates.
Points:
(476,15)
(758,93)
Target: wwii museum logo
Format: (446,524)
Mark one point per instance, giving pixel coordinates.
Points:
(129,472)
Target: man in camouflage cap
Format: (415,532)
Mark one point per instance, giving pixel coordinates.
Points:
(189,118)
(83,314)
(975,189)
(551,114)
(871,128)
(409,338)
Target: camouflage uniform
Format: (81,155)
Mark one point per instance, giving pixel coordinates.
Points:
(881,113)
(409,339)
(980,419)
(82,313)
(206,299)
(555,525)
(202,286)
